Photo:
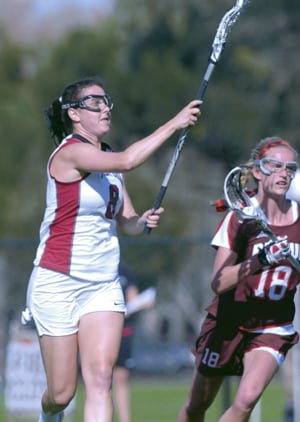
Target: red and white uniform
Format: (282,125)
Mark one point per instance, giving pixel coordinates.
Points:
(264,301)
(78,232)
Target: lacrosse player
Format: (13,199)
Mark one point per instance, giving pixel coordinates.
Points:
(74,294)
(249,325)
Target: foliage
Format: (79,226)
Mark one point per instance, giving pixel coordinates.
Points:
(152,56)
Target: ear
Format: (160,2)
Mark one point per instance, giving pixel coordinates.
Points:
(74,115)
(256,173)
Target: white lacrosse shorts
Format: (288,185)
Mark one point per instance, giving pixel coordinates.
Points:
(57,301)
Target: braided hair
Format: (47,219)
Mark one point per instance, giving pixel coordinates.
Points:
(59,123)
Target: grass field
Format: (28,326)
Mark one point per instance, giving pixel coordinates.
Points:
(159,400)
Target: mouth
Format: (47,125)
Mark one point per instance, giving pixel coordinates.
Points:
(105,119)
(283,184)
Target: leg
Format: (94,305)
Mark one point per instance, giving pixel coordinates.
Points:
(202,394)
(122,393)
(60,361)
(99,341)
(259,368)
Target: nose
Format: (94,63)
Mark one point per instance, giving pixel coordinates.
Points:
(286,171)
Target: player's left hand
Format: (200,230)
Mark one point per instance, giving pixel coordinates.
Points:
(152,217)
(275,252)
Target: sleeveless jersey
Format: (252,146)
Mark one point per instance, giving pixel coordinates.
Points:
(264,301)
(78,232)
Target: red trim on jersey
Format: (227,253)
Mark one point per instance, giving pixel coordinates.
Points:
(58,248)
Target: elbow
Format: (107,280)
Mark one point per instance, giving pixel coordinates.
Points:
(219,287)
(129,164)
(216,282)
(216,287)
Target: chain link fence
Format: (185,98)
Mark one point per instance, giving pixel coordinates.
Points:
(178,267)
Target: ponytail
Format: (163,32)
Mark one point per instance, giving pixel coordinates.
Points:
(56,121)
(246,183)
(59,122)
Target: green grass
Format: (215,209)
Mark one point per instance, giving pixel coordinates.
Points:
(159,400)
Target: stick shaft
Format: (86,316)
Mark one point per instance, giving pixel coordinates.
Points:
(179,146)
(217,48)
(292,260)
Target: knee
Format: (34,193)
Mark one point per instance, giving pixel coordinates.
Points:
(100,378)
(60,397)
(246,401)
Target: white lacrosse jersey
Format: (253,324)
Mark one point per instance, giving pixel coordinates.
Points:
(78,232)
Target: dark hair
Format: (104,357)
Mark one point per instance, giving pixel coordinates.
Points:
(59,122)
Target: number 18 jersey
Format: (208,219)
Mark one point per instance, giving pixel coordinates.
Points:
(264,301)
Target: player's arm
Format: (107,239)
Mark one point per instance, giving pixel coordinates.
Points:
(227,273)
(130,221)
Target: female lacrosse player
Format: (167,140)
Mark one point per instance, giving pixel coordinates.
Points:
(249,325)
(74,294)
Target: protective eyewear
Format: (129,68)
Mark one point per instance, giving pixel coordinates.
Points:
(91,103)
(270,165)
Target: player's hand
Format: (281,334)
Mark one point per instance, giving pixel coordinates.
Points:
(188,116)
(152,217)
(275,252)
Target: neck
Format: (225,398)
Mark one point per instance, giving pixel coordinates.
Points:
(87,138)
(278,212)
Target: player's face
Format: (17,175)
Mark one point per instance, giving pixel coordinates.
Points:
(95,118)
(279,163)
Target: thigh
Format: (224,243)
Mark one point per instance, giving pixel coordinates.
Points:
(260,366)
(99,339)
(217,349)
(60,358)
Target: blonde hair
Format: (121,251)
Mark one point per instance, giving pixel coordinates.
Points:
(247,180)
(258,152)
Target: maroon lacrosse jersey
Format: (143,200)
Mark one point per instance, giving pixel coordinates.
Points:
(264,301)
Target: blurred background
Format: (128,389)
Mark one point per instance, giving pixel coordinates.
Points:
(152,56)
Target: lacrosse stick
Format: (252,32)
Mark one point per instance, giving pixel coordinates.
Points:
(241,204)
(217,48)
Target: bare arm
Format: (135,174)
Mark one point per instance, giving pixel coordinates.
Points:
(80,158)
(227,273)
(131,222)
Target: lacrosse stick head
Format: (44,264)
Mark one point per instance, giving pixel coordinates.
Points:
(241,3)
(294,190)
(236,197)
(224,28)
